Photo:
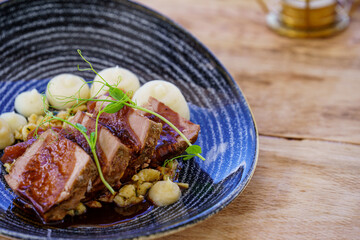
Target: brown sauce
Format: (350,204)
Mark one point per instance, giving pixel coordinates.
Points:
(106,216)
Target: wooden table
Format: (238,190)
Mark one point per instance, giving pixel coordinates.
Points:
(305,95)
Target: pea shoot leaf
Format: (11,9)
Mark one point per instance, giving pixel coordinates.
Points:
(188,157)
(81,127)
(193,149)
(118,94)
(113,107)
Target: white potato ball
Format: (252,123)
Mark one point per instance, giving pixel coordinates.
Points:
(121,77)
(30,102)
(15,121)
(164,193)
(63,88)
(166,93)
(6,135)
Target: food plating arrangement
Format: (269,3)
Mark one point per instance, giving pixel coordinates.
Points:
(114,145)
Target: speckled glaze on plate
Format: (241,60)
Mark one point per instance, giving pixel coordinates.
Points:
(39,38)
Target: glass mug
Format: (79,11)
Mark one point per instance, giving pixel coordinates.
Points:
(309,18)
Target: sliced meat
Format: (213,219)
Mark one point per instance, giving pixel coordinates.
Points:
(11,153)
(53,174)
(112,154)
(170,144)
(137,132)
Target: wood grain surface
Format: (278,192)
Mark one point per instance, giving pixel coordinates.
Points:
(305,95)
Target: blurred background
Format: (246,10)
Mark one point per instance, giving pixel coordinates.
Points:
(308,18)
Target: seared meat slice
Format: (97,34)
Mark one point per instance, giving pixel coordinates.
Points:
(11,153)
(170,144)
(137,132)
(53,174)
(112,154)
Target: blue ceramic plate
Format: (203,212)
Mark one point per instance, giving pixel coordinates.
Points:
(39,38)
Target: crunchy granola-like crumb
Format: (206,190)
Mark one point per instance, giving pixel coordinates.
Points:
(127,191)
(71,213)
(18,135)
(33,118)
(27,129)
(142,188)
(127,196)
(80,209)
(147,175)
(8,166)
(125,202)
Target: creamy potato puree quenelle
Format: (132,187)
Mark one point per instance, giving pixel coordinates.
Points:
(117,76)
(166,93)
(63,88)
(30,102)
(6,135)
(15,121)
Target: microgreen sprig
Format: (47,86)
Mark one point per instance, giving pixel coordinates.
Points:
(192,151)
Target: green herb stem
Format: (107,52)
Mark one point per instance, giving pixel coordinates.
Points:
(107,185)
(97,124)
(91,68)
